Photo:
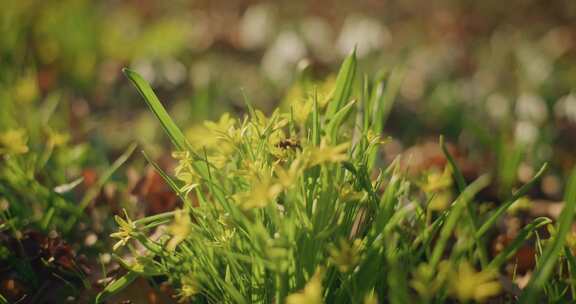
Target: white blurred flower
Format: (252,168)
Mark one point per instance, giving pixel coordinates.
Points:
(565,107)
(174,71)
(531,107)
(281,57)
(535,66)
(498,107)
(257,26)
(526,132)
(319,36)
(146,69)
(365,33)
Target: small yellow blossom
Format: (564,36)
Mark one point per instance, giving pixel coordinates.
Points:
(13,141)
(327,154)
(427,282)
(125,230)
(371,298)
(436,181)
(348,194)
(261,193)
(185,171)
(56,138)
(312,292)
(189,288)
(467,284)
(347,255)
(26,89)
(180,229)
(287,178)
(222,126)
(521,204)
(440,200)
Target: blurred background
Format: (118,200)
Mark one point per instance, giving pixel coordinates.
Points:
(496,78)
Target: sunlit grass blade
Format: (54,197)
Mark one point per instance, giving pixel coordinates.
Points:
(335,123)
(455,213)
(461,185)
(315,122)
(554,247)
(171,183)
(522,237)
(456,173)
(116,286)
(384,97)
(175,134)
(344,84)
(502,209)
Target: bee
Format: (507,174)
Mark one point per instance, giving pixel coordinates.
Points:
(289,143)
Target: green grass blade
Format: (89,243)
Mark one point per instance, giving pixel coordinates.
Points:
(175,134)
(502,209)
(171,183)
(522,237)
(315,122)
(344,84)
(455,213)
(116,286)
(554,247)
(461,184)
(457,174)
(338,119)
(385,99)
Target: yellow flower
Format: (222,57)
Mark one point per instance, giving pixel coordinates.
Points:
(185,171)
(261,193)
(217,137)
(312,292)
(26,89)
(347,255)
(467,284)
(222,126)
(349,195)
(189,288)
(436,181)
(302,111)
(56,138)
(125,230)
(440,200)
(13,141)
(287,178)
(371,298)
(327,154)
(427,282)
(180,229)
(521,204)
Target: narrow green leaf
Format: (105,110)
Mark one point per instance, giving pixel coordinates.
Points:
(457,174)
(344,84)
(522,237)
(502,209)
(461,184)
(171,183)
(384,98)
(338,119)
(175,134)
(554,246)
(116,286)
(456,211)
(315,122)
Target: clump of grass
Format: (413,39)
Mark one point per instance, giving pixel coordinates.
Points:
(279,210)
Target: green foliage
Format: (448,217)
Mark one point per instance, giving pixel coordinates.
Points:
(298,212)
